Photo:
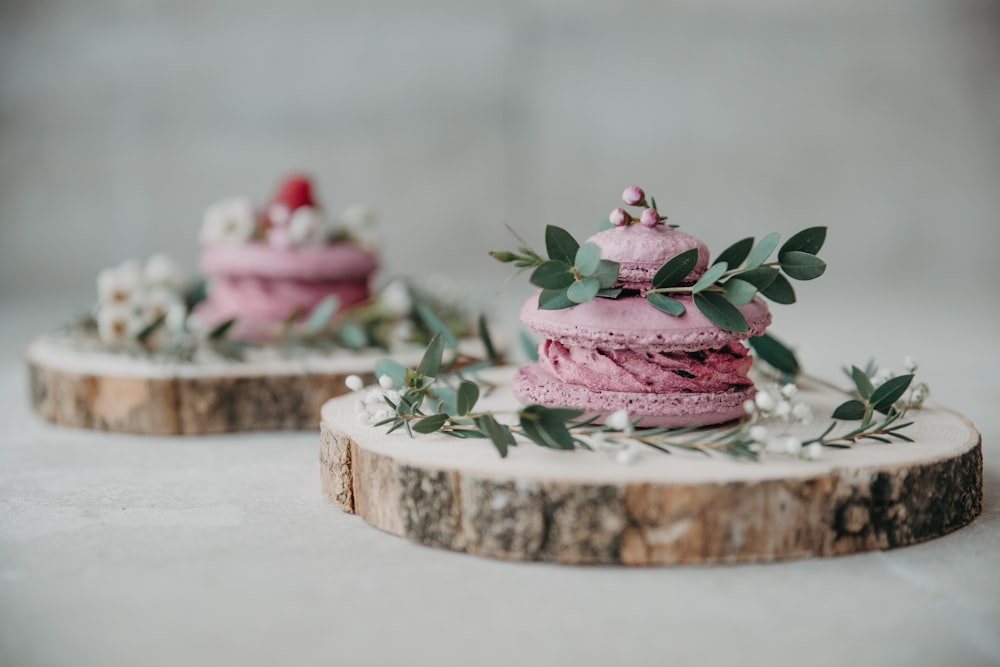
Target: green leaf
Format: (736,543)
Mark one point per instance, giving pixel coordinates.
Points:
(762,250)
(434,323)
(196,294)
(780,290)
(582,291)
(610,293)
(735,254)
(588,257)
(676,269)
(395,370)
(430,364)
(497,432)
(560,244)
(851,410)
(722,313)
(150,328)
(547,427)
(220,330)
(552,274)
(352,336)
(529,346)
(446,398)
(554,299)
(321,315)
(802,266)
(488,347)
(431,424)
(761,277)
(889,392)
(466,397)
(709,277)
(862,382)
(739,292)
(775,353)
(666,304)
(808,241)
(607,273)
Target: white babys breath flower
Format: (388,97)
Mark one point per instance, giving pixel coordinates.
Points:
(802,413)
(177,314)
(627,454)
(812,451)
(155,303)
(229,221)
(374,397)
(306,227)
(749,407)
(791,444)
(765,401)
(910,363)
(386,382)
(162,271)
(117,322)
(783,410)
(119,284)
(619,421)
(396,298)
(354,383)
(759,433)
(789,390)
(360,222)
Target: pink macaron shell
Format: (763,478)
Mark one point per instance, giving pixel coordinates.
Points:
(641,251)
(633,323)
(533,385)
(338,261)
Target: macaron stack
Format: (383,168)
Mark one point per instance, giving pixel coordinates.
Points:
(265,267)
(607,355)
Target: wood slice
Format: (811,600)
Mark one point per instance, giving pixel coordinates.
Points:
(583,507)
(72,385)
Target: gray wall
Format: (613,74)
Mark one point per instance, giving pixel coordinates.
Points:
(120,121)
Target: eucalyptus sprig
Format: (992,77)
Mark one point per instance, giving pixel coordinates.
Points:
(737,275)
(571,274)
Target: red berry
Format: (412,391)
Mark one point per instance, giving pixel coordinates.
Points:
(295,191)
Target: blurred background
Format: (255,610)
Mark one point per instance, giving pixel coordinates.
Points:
(120,121)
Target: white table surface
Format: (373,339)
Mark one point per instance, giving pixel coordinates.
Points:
(122,550)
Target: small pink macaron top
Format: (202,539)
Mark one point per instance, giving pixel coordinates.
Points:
(640,252)
(333,262)
(632,323)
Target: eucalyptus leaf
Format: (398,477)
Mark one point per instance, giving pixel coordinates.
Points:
(487,340)
(466,397)
(720,312)
(582,291)
(430,364)
(560,244)
(739,292)
(321,315)
(736,253)
(220,330)
(780,290)
(610,293)
(861,381)
(666,304)
(447,399)
(775,353)
(395,370)
(352,336)
(762,250)
(808,241)
(607,273)
(587,259)
(554,299)
(850,410)
(500,435)
(676,269)
(553,274)
(802,266)
(761,277)
(889,392)
(604,224)
(434,323)
(431,424)
(708,278)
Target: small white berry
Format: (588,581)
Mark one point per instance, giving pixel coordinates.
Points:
(792,445)
(789,390)
(802,413)
(783,409)
(749,407)
(627,455)
(374,397)
(386,382)
(354,383)
(759,433)
(618,420)
(812,451)
(765,402)
(910,363)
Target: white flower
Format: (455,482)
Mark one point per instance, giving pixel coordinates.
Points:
(749,407)
(789,390)
(119,284)
(374,397)
(306,227)
(396,298)
(155,303)
(354,383)
(229,221)
(618,421)
(759,433)
(627,454)
(910,363)
(802,413)
(117,322)
(812,451)
(385,382)
(176,319)
(783,410)
(765,402)
(162,271)
(791,444)
(360,222)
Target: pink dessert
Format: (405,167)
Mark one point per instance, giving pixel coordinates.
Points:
(612,354)
(265,266)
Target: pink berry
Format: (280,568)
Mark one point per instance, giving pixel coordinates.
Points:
(634,196)
(619,217)
(650,218)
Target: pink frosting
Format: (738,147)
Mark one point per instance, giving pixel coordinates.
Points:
(334,262)
(649,370)
(641,251)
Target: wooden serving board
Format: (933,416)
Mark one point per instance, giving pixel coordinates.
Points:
(72,385)
(584,508)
